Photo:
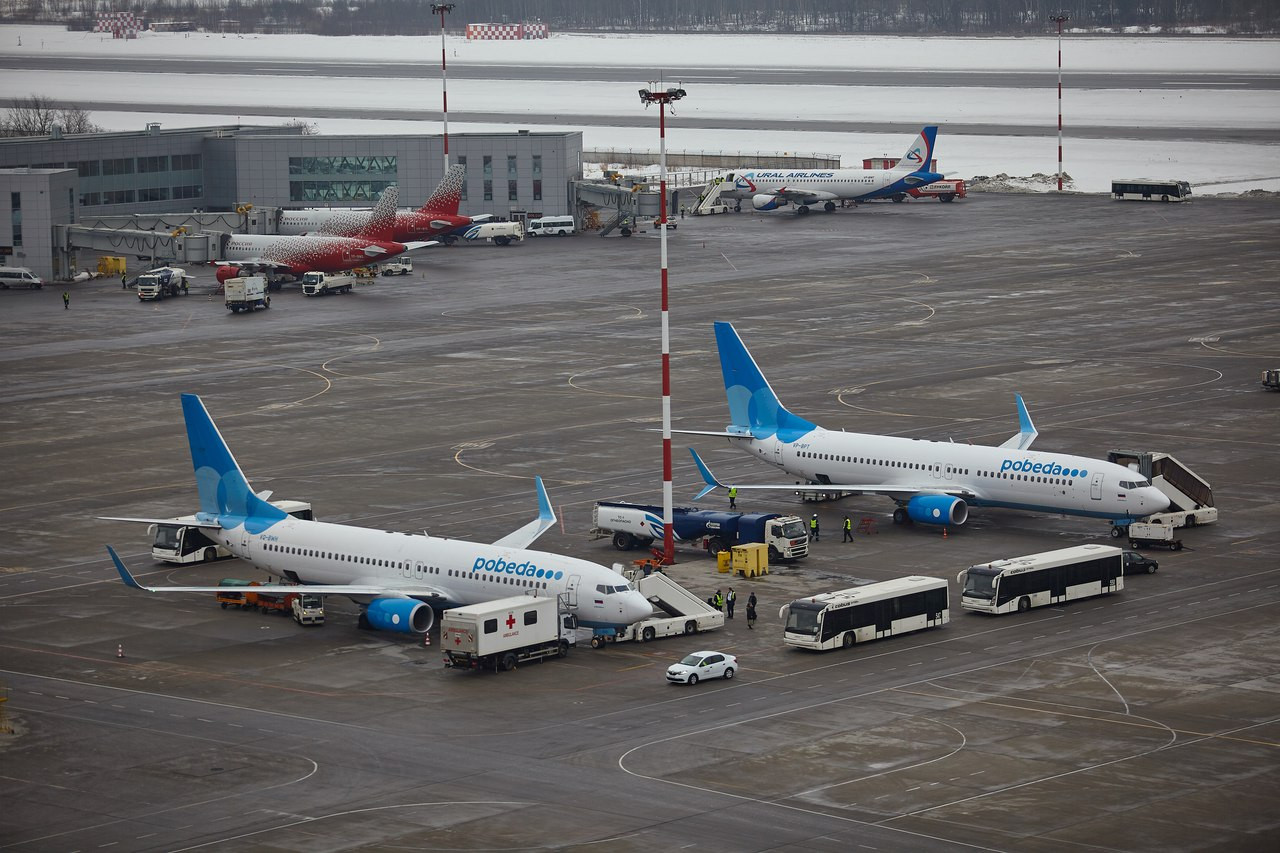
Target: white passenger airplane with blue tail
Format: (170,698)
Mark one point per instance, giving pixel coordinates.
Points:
(771,189)
(396,578)
(932,482)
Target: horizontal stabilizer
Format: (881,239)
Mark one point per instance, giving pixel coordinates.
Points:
(207,525)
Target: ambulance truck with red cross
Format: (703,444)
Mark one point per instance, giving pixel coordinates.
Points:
(502,633)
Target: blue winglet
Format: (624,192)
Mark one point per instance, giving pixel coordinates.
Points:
(124,573)
(707,476)
(545,513)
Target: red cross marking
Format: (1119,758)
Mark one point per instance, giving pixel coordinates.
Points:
(511,621)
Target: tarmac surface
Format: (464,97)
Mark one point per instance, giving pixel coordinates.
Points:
(1145,720)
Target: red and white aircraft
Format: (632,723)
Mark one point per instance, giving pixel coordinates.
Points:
(295,255)
(438,216)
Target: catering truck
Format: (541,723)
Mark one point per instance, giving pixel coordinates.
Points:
(637,525)
(502,633)
(246,294)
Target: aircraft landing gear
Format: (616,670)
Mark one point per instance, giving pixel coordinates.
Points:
(900,515)
(802,209)
(829,206)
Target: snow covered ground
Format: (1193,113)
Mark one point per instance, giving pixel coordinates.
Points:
(1210,166)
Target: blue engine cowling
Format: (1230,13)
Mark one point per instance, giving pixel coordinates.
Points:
(401,615)
(767,202)
(938,509)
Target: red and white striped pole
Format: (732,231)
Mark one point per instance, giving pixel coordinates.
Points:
(668,513)
(442,8)
(1061,18)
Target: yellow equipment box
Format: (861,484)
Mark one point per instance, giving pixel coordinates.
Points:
(724,561)
(751,560)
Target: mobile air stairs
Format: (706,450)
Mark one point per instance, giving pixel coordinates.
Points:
(1190,496)
(710,201)
(676,612)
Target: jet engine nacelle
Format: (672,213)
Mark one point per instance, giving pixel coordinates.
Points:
(226,272)
(767,202)
(938,509)
(400,615)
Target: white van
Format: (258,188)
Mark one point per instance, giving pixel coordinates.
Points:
(19,277)
(549,225)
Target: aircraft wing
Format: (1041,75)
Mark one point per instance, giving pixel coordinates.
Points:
(410,590)
(255,262)
(800,196)
(893,490)
(419,244)
(525,536)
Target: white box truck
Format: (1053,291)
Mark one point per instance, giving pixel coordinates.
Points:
(246,294)
(324,283)
(502,633)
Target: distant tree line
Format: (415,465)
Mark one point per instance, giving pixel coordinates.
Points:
(414,17)
(36,115)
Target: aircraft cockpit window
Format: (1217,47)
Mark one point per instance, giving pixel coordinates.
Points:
(601,588)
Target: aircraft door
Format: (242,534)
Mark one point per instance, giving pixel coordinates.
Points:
(1095,487)
(777,453)
(571,590)
(948,471)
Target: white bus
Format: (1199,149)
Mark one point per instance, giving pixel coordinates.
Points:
(1020,583)
(864,613)
(1141,189)
(175,542)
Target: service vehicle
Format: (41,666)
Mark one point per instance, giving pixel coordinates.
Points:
(868,612)
(1036,580)
(399,266)
(700,666)
(500,233)
(19,277)
(307,609)
(1271,380)
(1145,189)
(946,189)
(559,226)
(1190,495)
(505,632)
(638,525)
(236,594)
(154,285)
(246,293)
(1139,564)
(324,283)
(1147,534)
(179,541)
(676,611)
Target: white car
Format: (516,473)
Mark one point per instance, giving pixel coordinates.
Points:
(702,665)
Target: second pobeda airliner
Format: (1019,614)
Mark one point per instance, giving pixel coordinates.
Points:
(932,482)
(396,578)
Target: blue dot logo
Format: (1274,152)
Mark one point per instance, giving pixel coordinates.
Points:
(559,575)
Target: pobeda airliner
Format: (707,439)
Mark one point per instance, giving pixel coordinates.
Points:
(771,189)
(396,578)
(932,482)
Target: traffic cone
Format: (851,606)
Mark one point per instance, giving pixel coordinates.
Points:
(944,533)
(426,641)
(120,650)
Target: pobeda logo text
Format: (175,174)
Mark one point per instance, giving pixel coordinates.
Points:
(525,569)
(1052,469)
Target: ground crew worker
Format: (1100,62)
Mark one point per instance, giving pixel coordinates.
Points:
(848,530)
(733,497)
(66,299)
(718,599)
(124,281)
(813,528)
(730,600)
(751,611)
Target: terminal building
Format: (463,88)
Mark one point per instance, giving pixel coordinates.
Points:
(59,180)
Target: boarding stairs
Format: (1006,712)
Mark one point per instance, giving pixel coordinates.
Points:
(1190,495)
(709,201)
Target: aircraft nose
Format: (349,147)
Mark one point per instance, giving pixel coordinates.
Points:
(636,607)
(1159,500)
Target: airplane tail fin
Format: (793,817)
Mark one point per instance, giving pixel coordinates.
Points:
(448,195)
(919,157)
(224,491)
(754,410)
(382,222)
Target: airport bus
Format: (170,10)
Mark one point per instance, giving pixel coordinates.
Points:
(176,542)
(1140,189)
(867,612)
(1053,577)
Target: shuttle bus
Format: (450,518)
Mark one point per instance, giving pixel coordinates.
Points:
(1140,189)
(177,542)
(867,612)
(1053,577)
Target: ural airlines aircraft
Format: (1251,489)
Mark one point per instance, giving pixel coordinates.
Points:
(295,255)
(396,578)
(438,216)
(771,189)
(932,482)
